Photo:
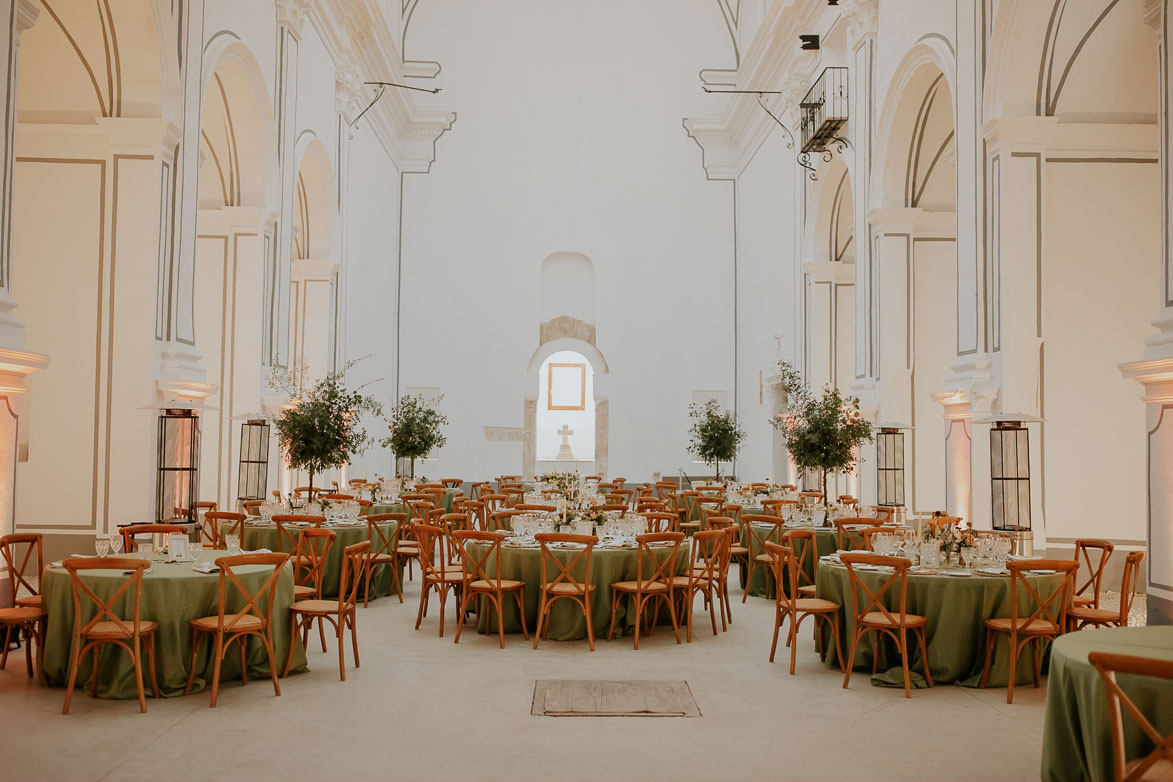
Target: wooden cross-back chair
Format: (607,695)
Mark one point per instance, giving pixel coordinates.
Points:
(1087,550)
(873,616)
(534,507)
(129,532)
(777,507)
(1079,616)
(434,576)
(847,499)
(644,589)
(795,608)
(309,559)
(341,614)
(451,523)
(493,502)
(451,483)
(815,497)
(382,552)
(310,491)
(1047,619)
(1157,764)
(761,528)
(20,551)
(420,510)
(486,582)
(660,521)
(336,496)
(729,549)
(564,585)
(886,513)
(253,619)
(843,539)
(647,504)
(107,627)
(212,522)
(287,536)
(252,507)
(703,575)
(497,520)
(804,560)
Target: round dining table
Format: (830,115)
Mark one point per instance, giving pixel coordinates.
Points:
(1077,736)
(609,564)
(173,594)
(956,603)
(753,535)
(261,534)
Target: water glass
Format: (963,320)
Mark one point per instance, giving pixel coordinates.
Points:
(233,544)
(116,544)
(195,550)
(145,549)
(102,545)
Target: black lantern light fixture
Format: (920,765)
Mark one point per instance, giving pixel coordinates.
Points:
(178,463)
(890,464)
(253,475)
(1010,475)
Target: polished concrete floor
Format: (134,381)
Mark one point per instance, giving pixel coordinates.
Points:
(422,708)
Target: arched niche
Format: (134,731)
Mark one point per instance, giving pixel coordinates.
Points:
(567,297)
(1086,60)
(313,212)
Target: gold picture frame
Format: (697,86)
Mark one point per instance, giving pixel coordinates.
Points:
(550,387)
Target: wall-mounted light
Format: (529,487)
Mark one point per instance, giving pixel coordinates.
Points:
(890,464)
(252,478)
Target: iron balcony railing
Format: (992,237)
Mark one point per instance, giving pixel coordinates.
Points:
(824,109)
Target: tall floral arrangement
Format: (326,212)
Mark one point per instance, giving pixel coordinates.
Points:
(415,428)
(321,427)
(715,434)
(822,432)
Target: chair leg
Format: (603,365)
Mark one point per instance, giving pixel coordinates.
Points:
(423,605)
(614,604)
(241,642)
(586,611)
(292,641)
(216,668)
(541,617)
(1013,663)
(904,660)
(341,628)
(520,612)
(1034,658)
(777,626)
(267,640)
(322,633)
(672,616)
(74,659)
(138,674)
(793,633)
(924,654)
(463,609)
(713,610)
(855,635)
(990,640)
(94,675)
(834,622)
(443,599)
(196,638)
(7,643)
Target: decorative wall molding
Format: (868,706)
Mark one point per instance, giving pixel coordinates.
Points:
(291,14)
(347,91)
(862,17)
(504,434)
(566,326)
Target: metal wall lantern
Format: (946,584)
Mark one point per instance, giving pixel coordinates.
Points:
(1010,475)
(823,111)
(252,479)
(890,466)
(178,464)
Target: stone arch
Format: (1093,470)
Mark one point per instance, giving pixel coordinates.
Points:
(313,207)
(830,229)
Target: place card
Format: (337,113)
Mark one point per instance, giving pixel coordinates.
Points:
(177,545)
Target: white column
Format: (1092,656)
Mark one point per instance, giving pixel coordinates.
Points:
(291,16)
(347,105)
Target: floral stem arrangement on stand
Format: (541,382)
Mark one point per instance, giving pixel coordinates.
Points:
(321,428)
(715,436)
(576,505)
(822,432)
(415,428)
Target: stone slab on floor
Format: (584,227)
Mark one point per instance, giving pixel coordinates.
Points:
(613,698)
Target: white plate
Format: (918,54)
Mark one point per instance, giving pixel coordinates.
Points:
(962,573)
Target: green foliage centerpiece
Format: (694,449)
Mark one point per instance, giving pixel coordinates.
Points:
(715,435)
(415,428)
(321,428)
(822,432)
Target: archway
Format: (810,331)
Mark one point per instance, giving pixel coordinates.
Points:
(565,419)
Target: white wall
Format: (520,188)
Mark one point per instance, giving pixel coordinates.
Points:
(568,138)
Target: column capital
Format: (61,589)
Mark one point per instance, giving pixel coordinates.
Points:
(313,269)
(830,271)
(26,15)
(347,91)
(140,135)
(1153,13)
(862,18)
(15,366)
(1156,375)
(291,15)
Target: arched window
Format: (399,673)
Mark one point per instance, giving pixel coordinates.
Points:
(566,410)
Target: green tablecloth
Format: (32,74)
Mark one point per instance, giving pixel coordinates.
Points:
(173,595)
(956,607)
(762,583)
(608,565)
(1077,739)
(259,534)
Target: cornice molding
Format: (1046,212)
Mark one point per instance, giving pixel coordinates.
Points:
(1073,139)
(356,35)
(862,17)
(772,62)
(291,14)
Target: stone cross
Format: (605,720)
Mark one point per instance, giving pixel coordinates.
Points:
(565,433)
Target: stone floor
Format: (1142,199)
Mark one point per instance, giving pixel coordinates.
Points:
(421,708)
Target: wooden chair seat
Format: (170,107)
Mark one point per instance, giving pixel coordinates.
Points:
(682,581)
(570,589)
(738,551)
(880,619)
(315,606)
(20,614)
(382,559)
(809,589)
(1085,613)
(33,601)
(303,592)
(481,585)
(816,605)
(763,558)
(690,525)
(1081,600)
(635,586)
(1161,771)
(238,622)
(114,630)
(1023,626)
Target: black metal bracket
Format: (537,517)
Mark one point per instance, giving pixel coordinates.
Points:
(383,85)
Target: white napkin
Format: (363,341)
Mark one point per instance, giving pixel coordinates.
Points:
(205,567)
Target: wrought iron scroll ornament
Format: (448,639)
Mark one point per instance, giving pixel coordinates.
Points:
(383,85)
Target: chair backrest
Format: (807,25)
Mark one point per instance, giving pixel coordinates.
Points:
(18,550)
(659,521)
(776,507)
(843,533)
(313,546)
(1051,610)
(1129,583)
(513,492)
(762,527)
(364,507)
(937,522)
(501,515)
(782,561)
(426,536)
(356,569)
(1094,553)
(429,486)
(336,496)
(628,495)
(286,536)
(817,496)
(847,499)
(312,491)
(451,483)
(474,565)
(565,571)
(129,531)
(872,598)
(383,540)
(650,504)
(886,512)
(252,507)
(531,507)
(493,502)
(731,510)
(105,607)
(478,489)
(804,562)
(614,507)
(214,519)
(1108,665)
(420,509)
(867,533)
(451,523)
(707,548)
(227,622)
(662,569)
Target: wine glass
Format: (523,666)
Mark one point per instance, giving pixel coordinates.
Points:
(195,550)
(116,544)
(233,543)
(102,545)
